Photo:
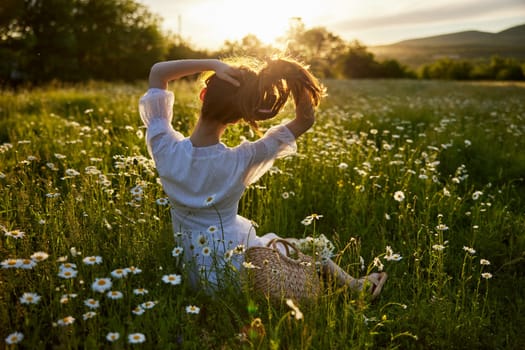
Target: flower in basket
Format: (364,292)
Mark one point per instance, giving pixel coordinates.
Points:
(319,247)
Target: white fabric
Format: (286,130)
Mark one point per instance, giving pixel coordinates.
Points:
(191,176)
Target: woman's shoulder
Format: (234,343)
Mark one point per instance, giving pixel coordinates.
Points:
(156,104)
(156,94)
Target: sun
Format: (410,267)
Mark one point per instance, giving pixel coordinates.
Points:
(266,19)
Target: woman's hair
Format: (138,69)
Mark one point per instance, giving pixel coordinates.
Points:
(262,93)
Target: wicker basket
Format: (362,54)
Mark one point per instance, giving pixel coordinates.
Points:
(280,276)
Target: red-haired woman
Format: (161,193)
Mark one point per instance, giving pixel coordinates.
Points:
(203,178)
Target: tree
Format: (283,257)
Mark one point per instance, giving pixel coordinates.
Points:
(317,46)
(359,63)
(497,68)
(250,45)
(393,69)
(78,39)
(118,39)
(13,35)
(178,48)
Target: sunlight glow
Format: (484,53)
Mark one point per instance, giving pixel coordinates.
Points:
(208,23)
(268,20)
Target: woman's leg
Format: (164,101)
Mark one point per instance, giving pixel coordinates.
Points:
(341,278)
(338,275)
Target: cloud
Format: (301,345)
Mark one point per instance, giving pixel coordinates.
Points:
(449,12)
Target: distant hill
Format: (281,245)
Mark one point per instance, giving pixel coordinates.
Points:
(462,45)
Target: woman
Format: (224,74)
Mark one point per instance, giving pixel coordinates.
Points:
(203,178)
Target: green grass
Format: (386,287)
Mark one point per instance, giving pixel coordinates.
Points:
(70,155)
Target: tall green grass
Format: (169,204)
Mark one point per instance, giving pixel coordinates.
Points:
(433,170)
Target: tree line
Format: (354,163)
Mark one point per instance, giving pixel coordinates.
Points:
(79,40)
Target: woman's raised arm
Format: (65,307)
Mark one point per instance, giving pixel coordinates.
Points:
(163,72)
(304,114)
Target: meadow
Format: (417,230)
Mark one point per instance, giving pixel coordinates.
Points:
(421,179)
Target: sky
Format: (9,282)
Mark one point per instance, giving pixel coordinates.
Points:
(206,24)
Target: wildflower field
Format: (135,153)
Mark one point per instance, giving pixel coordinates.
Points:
(423,180)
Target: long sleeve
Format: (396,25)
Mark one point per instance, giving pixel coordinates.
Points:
(277,142)
(156,112)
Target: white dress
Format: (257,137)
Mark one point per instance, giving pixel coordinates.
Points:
(205,184)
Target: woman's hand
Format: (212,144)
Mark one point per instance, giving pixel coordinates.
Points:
(227,73)
(304,113)
(304,108)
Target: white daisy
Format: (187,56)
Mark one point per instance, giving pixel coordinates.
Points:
(391,256)
(201,240)
(92,303)
(441,227)
(39,256)
(115,294)
(136,338)
(162,201)
(92,260)
(469,250)
(133,270)
(486,275)
(394,257)
(30,298)
(17,234)
(399,196)
(11,263)
(206,251)
(67,265)
(88,315)
(177,251)
(119,273)
(172,279)
(27,264)
(140,291)
(64,299)
(14,338)
(67,273)
(137,191)
(101,285)
(148,305)
(476,195)
(66,321)
(438,247)
(228,255)
(306,221)
(72,172)
(239,249)
(209,200)
(138,311)
(377,263)
(192,309)
(112,336)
